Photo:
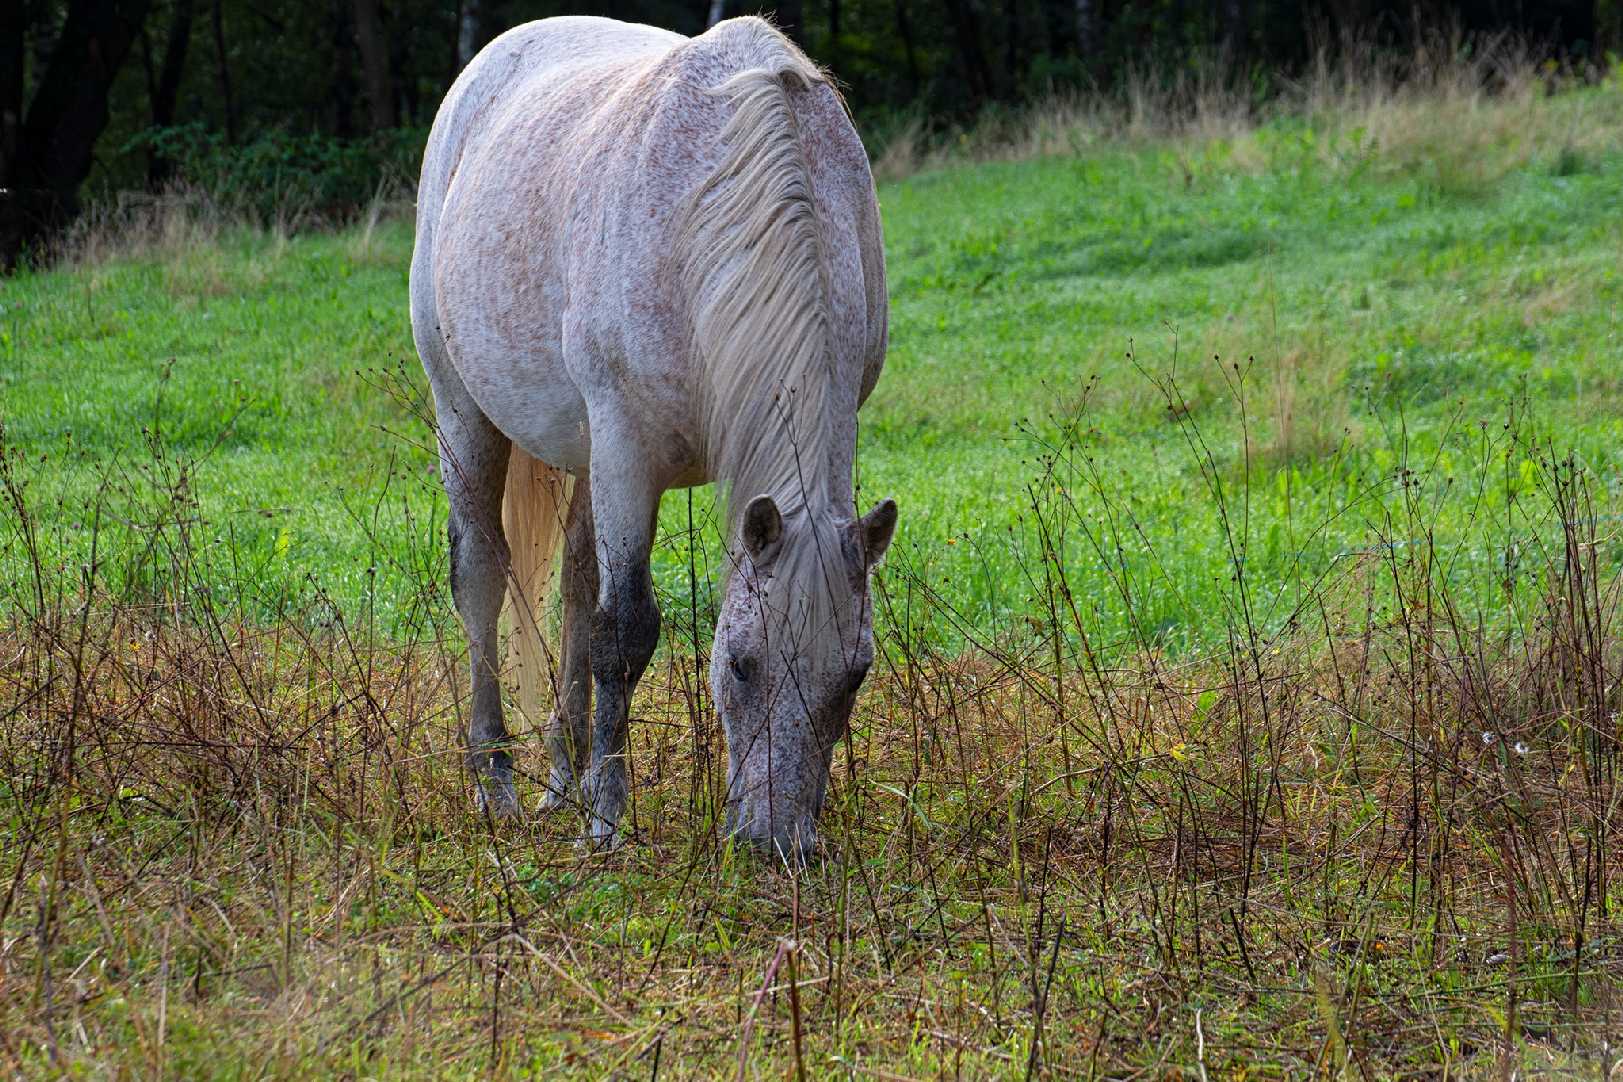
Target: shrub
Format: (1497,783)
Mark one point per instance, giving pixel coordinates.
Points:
(281,175)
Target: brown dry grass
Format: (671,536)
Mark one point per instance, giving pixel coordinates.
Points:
(1375,840)
(184,231)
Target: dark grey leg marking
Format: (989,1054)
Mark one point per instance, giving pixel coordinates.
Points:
(624,635)
(567,737)
(473,467)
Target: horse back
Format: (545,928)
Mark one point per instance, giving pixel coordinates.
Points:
(557,174)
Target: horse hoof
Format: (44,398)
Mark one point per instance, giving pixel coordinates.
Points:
(555,793)
(496,797)
(604,794)
(602,837)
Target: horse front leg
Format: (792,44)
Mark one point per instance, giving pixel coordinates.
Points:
(624,632)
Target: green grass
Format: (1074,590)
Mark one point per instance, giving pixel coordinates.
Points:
(1366,300)
(1358,298)
(1243,721)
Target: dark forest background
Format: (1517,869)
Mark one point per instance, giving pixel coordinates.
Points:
(322,101)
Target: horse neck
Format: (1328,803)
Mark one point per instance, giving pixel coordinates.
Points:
(820,485)
(778,418)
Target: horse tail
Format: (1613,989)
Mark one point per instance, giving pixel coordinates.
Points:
(533,512)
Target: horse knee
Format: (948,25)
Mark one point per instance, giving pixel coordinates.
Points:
(453,537)
(478,578)
(624,637)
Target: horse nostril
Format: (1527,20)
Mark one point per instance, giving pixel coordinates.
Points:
(794,846)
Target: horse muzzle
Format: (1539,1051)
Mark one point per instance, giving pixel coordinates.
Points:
(780,833)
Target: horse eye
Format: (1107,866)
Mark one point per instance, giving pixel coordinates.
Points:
(743,667)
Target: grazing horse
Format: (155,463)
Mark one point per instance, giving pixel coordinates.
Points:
(646,261)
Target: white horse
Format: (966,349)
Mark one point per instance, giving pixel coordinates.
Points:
(646,261)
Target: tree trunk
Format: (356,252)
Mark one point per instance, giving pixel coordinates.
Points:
(833,23)
(13,25)
(167,88)
(1011,59)
(343,71)
(407,90)
(146,63)
(966,32)
(904,30)
(53,152)
(69,109)
(223,68)
(470,31)
(717,12)
(375,63)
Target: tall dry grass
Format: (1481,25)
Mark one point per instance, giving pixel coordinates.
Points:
(1375,831)
(183,226)
(1465,110)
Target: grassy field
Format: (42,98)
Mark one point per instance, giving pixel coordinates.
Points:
(1378,309)
(1249,702)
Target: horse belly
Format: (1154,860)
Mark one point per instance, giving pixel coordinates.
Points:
(535,404)
(500,304)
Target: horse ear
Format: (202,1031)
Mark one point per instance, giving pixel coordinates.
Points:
(878,527)
(763,528)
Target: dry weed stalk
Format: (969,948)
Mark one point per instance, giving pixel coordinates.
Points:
(1381,806)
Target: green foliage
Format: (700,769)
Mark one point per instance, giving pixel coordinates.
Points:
(280,175)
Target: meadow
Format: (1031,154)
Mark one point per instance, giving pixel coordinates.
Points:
(1249,694)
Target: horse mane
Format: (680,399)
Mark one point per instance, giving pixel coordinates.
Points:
(751,249)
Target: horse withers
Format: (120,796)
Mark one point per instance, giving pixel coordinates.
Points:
(646,261)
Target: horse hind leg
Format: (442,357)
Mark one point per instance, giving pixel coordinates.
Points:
(567,738)
(473,467)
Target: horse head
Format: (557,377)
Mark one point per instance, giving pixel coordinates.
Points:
(793,643)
